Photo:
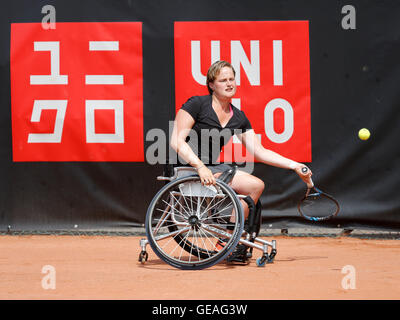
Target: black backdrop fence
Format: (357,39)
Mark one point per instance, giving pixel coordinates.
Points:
(354,76)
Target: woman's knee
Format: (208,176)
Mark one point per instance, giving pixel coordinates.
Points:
(248,184)
(259,185)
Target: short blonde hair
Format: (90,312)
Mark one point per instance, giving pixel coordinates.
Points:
(214,71)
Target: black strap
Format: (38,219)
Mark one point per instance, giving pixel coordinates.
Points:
(228,175)
(252,214)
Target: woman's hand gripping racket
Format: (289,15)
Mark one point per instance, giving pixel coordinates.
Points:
(316,205)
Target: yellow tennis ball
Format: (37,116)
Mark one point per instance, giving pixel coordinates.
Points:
(364,134)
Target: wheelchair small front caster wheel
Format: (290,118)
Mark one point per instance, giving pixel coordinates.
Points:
(271,256)
(143,256)
(261,261)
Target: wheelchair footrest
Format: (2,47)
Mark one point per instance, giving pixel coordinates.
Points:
(239,255)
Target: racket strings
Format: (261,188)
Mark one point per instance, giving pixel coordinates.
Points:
(318,205)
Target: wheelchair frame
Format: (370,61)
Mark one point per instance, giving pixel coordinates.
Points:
(199,222)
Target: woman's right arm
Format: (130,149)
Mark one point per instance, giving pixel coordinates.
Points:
(182,125)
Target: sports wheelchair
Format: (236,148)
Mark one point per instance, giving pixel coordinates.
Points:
(191,226)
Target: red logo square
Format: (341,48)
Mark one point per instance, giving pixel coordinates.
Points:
(77,92)
(271,59)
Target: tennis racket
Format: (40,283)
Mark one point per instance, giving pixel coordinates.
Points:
(316,205)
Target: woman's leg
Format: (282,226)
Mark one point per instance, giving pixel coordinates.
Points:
(248,185)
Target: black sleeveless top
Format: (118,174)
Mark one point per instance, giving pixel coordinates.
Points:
(207,136)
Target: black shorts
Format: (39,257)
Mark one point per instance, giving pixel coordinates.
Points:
(216,168)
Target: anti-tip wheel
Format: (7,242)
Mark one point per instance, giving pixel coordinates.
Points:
(143,257)
(261,261)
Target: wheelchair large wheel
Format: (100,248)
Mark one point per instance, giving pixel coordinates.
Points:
(186,220)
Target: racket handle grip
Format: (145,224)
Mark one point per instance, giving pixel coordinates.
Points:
(310,183)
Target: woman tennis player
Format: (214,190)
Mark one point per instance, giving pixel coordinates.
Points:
(215,113)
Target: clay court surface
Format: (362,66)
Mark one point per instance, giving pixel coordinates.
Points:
(107,267)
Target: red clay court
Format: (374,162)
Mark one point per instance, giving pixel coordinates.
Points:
(106,267)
